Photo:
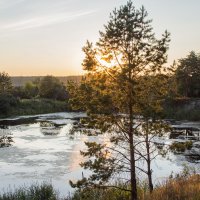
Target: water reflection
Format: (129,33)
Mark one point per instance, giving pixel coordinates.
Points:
(43,149)
(49,128)
(6,139)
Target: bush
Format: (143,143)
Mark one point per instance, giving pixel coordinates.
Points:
(34,192)
(7,101)
(5,141)
(179,147)
(52,88)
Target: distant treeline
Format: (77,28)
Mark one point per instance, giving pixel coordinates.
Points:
(41,95)
(22,80)
(183,85)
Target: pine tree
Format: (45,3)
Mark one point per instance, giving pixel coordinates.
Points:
(111,93)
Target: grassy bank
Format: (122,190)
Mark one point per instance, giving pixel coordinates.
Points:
(179,188)
(36,106)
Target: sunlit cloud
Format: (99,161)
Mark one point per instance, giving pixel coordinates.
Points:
(42,21)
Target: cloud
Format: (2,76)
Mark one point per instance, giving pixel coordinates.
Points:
(42,21)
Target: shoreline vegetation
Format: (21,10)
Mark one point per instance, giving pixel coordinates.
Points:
(49,94)
(183,109)
(187,109)
(36,106)
(180,109)
(45,95)
(182,187)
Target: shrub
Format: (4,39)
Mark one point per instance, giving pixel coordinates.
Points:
(34,192)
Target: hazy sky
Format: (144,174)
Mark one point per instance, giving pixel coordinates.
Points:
(39,37)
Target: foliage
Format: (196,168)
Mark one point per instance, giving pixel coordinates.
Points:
(188,75)
(7,100)
(25,100)
(125,77)
(5,141)
(51,87)
(31,90)
(182,187)
(182,109)
(19,92)
(181,146)
(34,192)
(39,106)
(5,83)
(48,87)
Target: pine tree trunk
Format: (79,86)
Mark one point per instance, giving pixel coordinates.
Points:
(132,154)
(133,173)
(149,172)
(150,176)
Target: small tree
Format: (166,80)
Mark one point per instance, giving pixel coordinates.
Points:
(31,89)
(5,83)
(126,52)
(51,87)
(151,94)
(6,98)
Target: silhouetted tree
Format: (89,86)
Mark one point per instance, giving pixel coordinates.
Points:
(188,75)
(126,51)
(7,100)
(51,87)
(5,83)
(31,90)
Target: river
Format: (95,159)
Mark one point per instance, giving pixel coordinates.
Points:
(44,151)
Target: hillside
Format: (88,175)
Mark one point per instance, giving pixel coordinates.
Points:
(22,80)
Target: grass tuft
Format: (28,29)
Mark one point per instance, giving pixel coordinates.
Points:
(34,192)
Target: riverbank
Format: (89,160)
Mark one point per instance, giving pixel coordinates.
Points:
(179,188)
(183,109)
(177,109)
(36,106)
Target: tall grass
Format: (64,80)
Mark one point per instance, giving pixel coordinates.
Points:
(34,192)
(179,188)
(183,187)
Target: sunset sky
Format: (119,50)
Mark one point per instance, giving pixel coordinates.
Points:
(40,37)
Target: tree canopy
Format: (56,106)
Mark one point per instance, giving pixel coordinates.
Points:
(188,75)
(51,87)
(5,83)
(125,77)
(6,98)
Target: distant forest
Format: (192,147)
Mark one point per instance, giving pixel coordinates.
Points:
(22,80)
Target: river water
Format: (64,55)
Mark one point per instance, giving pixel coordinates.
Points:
(44,151)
